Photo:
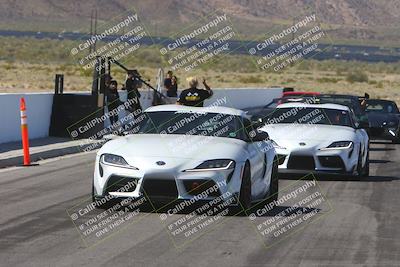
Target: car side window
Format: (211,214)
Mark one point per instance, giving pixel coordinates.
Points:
(245,123)
(249,129)
(353,119)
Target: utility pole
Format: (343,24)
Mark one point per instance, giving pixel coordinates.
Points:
(91,31)
(95,29)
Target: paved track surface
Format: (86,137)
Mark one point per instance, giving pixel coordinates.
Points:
(35,230)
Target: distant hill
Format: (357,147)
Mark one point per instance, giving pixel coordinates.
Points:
(362,21)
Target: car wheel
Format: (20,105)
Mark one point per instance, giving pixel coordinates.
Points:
(93,198)
(274,189)
(366,167)
(245,188)
(360,169)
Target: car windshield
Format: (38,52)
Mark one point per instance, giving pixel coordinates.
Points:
(299,99)
(382,107)
(274,103)
(302,115)
(189,123)
(353,104)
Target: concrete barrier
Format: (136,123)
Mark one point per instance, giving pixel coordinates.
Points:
(39,106)
(245,97)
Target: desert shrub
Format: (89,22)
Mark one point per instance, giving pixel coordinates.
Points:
(86,72)
(357,76)
(251,79)
(327,80)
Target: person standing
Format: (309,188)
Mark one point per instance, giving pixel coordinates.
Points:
(173,91)
(132,85)
(171,84)
(194,96)
(112,100)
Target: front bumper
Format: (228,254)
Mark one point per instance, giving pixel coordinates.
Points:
(385,133)
(340,161)
(167,185)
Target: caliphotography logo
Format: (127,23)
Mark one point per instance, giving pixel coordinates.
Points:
(199,133)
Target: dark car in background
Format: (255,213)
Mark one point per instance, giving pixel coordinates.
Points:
(350,101)
(384,119)
(260,112)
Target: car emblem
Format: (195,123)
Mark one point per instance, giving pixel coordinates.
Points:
(160,163)
(302,144)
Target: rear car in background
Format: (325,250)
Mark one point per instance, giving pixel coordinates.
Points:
(351,101)
(384,118)
(293,94)
(260,112)
(321,138)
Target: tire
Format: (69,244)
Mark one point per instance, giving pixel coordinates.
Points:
(360,169)
(366,167)
(245,188)
(274,188)
(93,198)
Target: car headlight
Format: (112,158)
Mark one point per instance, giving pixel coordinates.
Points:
(339,145)
(275,145)
(390,124)
(115,160)
(212,165)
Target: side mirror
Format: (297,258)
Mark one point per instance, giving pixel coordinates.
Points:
(362,125)
(257,119)
(365,124)
(259,136)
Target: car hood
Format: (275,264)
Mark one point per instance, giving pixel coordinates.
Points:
(253,110)
(259,111)
(376,119)
(174,147)
(291,135)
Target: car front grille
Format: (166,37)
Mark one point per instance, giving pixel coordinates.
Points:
(301,163)
(331,162)
(121,184)
(154,187)
(376,131)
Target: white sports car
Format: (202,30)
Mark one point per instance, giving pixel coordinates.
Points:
(318,138)
(180,152)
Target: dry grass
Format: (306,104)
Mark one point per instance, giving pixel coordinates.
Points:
(28,77)
(29,65)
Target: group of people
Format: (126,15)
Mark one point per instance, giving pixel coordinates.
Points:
(132,85)
(193,96)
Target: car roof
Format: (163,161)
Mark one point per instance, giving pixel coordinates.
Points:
(211,109)
(305,105)
(339,96)
(298,93)
(380,100)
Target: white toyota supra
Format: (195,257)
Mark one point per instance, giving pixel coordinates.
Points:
(318,138)
(180,152)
